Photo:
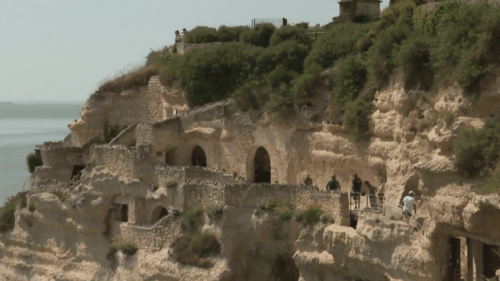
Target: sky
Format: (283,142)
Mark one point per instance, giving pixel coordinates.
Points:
(60,50)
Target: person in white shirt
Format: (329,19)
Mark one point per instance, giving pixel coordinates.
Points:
(409,205)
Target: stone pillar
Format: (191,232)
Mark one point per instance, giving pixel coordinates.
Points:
(476,251)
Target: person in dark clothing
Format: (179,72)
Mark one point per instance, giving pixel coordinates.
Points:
(356,190)
(333,185)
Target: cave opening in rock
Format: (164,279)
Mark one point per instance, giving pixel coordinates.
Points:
(491,258)
(76,169)
(262,166)
(308,181)
(198,157)
(158,213)
(123,213)
(171,156)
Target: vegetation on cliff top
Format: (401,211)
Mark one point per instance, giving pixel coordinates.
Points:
(7,214)
(34,160)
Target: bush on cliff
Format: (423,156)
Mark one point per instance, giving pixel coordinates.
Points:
(338,41)
(7,211)
(34,160)
(350,78)
(193,249)
(202,34)
(295,33)
(136,78)
(357,117)
(128,249)
(477,151)
(310,215)
(259,36)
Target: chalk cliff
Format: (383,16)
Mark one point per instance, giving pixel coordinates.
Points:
(141,185)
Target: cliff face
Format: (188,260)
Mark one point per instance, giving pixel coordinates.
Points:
(456,232)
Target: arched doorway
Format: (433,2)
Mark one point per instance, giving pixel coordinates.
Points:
(262,166)
(308,181)
(198,157)
(158,213)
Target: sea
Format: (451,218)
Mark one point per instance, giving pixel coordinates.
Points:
(22,127)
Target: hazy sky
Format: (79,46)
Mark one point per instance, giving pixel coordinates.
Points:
(60,50)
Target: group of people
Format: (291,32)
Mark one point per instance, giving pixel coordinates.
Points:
(333,186)
(356,184)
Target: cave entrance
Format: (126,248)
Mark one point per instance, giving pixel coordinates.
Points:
(171,157)
(158,213)
(76,170)
(262,166)
(198,157)
(491,258)
(123,213)
(308,182)
(454,259)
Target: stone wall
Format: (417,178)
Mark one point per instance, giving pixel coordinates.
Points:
(184,48)
(250,195)
(117,159)
(152,238)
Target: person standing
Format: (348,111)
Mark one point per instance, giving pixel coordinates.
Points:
(333,185)
(356,190)
(409,205)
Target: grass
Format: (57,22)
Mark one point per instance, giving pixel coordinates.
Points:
(310,216)
(32,207)
(192,219)
(491,185)
(128,249)
(61,195)
(7,211)
(171,184)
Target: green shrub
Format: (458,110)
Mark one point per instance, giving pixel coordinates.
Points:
(61,195)
(413,59)
(111,132)
(192,219)
(259,36)
(128,249)
(251,95)
(280,76)
(379,57)
(7,211)
(174,49)
(357,117)
(213,74)
(171,184)
(215,212)
(303,25)
(468,44)
(193,249)
(285,210)
(230,34)
(337,42)
(399,13)
(281,102)
(491,185)
(429,21)
(202,34)
(304,85)
(295,33)
(288,54)
(477,151)
(350,78)
(311,215)
(32,208)
(34,160)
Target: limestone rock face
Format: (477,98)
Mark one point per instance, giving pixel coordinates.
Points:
(239,170)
